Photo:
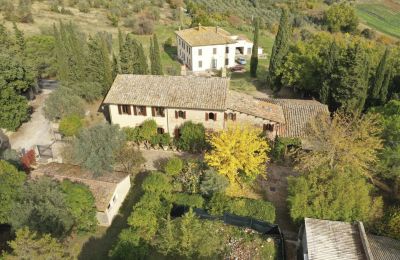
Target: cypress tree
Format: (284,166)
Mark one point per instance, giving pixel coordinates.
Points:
(98,63)
(379,77)
(254,53)
(116,66)
(327,71)
(121,41)
(155,57)
(127,56)
(60,54)
(350,90)
(19,39)
(383,97)
(140,66)
(280,49)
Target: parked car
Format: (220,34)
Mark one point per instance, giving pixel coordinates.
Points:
(238,68)
(241,61)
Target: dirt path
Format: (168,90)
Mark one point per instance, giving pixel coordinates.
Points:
(156,158)
(37,130)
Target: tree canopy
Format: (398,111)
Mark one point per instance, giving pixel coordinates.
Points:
(95,148)
(239,153)
(11,182)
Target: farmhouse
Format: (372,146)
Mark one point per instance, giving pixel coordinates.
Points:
(109,189)
(173,100)
(211,48)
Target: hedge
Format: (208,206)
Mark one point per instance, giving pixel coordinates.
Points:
(190,200)
(258,209)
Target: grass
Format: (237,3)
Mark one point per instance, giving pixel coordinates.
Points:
(381,16)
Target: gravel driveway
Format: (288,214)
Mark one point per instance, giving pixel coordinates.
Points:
(37,130)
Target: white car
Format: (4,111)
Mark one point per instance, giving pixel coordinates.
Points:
(241,61)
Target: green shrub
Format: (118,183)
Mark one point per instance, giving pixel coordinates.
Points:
(158,183)
(81,204)
(147,130)
(213,182)
(390,224)
(174,166)
(132,134)
(84,6)
(190,200)
(192,137)
(164,139)
(70,125)
(258,209)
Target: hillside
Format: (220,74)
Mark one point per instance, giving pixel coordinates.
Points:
(383,15)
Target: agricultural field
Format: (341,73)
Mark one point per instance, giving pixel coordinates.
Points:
(383,16)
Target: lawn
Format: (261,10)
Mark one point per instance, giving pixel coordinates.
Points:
(381,16)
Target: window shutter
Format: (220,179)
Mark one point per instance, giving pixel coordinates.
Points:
(234,117)
(225,116)
(184,114)
(153,111)
(144,111)
(176,114)
(129,110)
(206,116)
(215,116)
(134,110)
(119,109)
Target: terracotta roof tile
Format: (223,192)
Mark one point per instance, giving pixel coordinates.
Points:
(384,248)
(102,187)
(297,114)
(169,91)
(252,106)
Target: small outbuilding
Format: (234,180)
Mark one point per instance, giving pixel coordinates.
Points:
(109,189)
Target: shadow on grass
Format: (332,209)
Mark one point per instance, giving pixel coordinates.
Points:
(172,51)
(98,247)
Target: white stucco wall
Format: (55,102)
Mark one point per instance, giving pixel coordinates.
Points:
(120,193)
(208,56)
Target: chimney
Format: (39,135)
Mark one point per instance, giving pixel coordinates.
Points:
(199,26)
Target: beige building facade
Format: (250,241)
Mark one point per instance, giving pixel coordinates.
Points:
(172,100)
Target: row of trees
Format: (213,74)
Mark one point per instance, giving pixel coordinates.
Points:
(342,71)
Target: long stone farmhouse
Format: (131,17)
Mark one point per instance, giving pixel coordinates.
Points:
(173,100)
(211,48)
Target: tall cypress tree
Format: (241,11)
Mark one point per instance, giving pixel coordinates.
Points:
(254,52)
(132,57)
(350,89)
(98,63)
(327,71)
(140,65)
(383,95)
(19,39)
(280,49)
(377,84)
(155,57)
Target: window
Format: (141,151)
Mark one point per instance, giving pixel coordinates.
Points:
(268,127)
(200,64)
(226,61)
(140,110)
(160,130)
(248,50)
(190,50)
(226,49)
(230,116)
(214,63)
(114,198)
(158,111)
(214,50)
(211,116)
(200,52)
(109,206)
(124,109)
(180,114)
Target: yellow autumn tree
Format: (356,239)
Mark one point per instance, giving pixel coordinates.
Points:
(239,153)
